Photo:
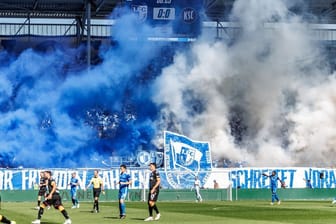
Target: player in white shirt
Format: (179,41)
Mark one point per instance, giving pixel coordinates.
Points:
(197,186)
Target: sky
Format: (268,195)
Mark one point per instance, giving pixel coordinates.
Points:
(263,98)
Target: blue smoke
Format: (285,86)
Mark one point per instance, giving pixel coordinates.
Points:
(54,113)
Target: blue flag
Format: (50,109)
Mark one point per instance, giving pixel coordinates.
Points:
(185,159)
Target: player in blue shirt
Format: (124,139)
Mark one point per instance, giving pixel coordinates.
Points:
(308,183)
(274,185)
(124,181)
(74,182)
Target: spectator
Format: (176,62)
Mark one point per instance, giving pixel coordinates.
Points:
(216,185)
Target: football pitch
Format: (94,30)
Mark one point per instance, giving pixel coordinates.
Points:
(217,212)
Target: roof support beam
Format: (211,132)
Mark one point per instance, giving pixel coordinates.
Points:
(35,4)
(88,32)
(27,21)
(100,4)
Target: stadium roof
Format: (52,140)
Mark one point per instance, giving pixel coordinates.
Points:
(217,10)
(322,11)
(56,8)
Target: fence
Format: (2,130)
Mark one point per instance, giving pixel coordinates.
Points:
(182,195)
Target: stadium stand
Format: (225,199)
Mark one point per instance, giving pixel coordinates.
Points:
(85,25)
(87,21)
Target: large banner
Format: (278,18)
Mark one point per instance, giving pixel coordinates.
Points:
(252,178)
(185,159)
(177,176)
(25,179)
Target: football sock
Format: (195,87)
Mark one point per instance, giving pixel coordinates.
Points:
(156,209)
(97,205)
(40,213)
(65,214)
(150,210)
(123,208)
(4,220)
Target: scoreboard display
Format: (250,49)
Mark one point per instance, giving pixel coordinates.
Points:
(178,20)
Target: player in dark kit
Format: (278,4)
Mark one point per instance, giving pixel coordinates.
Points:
(3,219)
(53,198)
(153,194)
(42,189)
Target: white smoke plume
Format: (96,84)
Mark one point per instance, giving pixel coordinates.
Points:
(266,99)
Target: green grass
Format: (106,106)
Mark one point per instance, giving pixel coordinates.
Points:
(184,212)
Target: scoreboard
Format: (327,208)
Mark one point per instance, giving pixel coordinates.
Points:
(178,20)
